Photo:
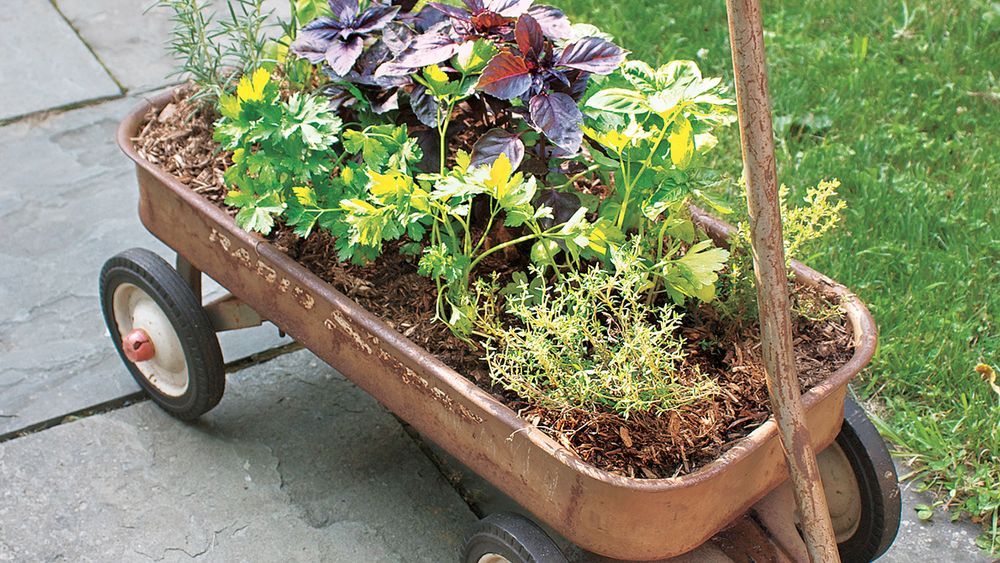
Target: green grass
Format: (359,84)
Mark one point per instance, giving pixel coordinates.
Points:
(904,102)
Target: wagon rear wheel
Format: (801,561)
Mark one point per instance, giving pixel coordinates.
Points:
(509,538)
(861,488)
(162,333)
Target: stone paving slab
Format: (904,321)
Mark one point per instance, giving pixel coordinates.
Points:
(68,201)
(44,64)
(296,464)
(131,39)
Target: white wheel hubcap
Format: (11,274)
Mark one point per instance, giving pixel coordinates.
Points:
(134,309)
(493,558)
(843,495)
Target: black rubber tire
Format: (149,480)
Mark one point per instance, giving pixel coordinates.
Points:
(881,503)
(206,371)
(514,537)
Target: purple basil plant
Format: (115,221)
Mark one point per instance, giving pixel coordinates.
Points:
(528,67)
(340,40)
(549,81)
(481,19)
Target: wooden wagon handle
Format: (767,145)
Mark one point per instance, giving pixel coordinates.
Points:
(746,36)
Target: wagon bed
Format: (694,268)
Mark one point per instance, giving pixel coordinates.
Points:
(608,514)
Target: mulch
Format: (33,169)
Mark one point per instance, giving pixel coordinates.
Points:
(179,138)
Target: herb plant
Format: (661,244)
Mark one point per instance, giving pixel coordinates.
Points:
(590,341)
(338,38)
(214,52)
(278,146)
(802,226)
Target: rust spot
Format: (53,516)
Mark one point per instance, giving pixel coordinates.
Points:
(573,506)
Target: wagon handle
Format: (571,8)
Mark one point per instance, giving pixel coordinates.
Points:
(746,37)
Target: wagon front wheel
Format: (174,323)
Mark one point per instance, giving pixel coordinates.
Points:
(509,538)
(162,333)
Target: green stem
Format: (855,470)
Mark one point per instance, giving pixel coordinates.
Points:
(625,199)
(645,165)
(443,123)
(576,177)
(651,296)
(489,227)
(508,244)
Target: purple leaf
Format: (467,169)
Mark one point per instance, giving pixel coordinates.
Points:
(495,142)
(324,28)
(474,6)
(592,54)
(342,55)
(563,204)
(369,62)
(426,18)
(507,8)
(554,22)
(530,39)
(344,9)
(450,11)
(491,21)
(372,58)
(374,19)
(389,104)
(397,37)
(557,116)
(506,77)
(427,49)
(392,69)
(338,97)
(424,106)
(310,45)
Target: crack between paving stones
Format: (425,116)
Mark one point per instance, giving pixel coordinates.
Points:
(263,357)
(121,87)
(101,408)
(85,104)
(453,479)
(137,397)
(60,109)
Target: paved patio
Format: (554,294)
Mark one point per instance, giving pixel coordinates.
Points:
(296,463)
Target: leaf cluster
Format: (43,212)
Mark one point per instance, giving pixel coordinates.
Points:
(803,226)
(278,146)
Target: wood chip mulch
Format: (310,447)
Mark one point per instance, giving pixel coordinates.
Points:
(179,139)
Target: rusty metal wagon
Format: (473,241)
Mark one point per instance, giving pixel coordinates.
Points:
(167,338)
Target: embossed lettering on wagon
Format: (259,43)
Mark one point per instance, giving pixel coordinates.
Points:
(369,344)
(262,269)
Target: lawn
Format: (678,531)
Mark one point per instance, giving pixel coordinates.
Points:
(901,102)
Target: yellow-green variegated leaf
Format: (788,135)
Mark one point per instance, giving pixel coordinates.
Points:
(229,106)
(681,143)
(305,195)
(618,100)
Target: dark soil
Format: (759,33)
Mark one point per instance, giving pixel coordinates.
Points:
(178,138)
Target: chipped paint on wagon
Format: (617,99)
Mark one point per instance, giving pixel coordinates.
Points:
(336,321)
(263,270)
(369,344)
